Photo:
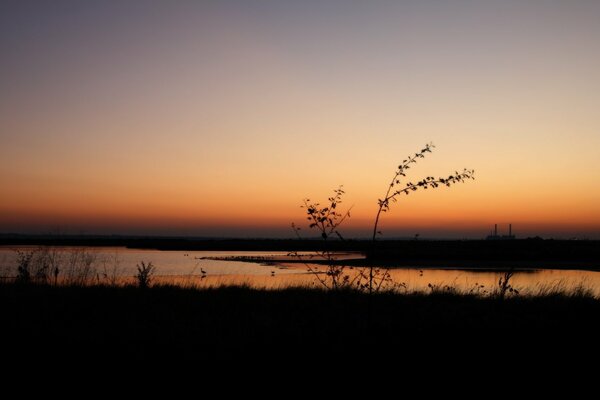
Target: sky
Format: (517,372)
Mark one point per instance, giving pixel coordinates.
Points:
(217,118)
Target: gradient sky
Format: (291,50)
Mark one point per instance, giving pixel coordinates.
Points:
(217,118)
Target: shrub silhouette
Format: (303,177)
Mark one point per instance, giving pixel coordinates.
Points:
(504,285)
(144,274)
(428,182)
(328,219)
(395,190)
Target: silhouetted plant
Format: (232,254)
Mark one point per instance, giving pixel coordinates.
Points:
(581,290)
(395,189)
(428,182)
(55,272)
(34,265)
(442,289)
(477,290)
(326,220)
(504,285)
(376,279)
(24,260)
(144,274)
(80,267)
(46,264)
(111,269)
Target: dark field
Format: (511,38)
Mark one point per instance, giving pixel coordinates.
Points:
(94,324)
(168,325)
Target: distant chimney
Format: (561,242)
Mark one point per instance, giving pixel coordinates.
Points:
(495,229)
(509,229)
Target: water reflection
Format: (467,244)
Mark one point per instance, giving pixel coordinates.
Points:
(214,268)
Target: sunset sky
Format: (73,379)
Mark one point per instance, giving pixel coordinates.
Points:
(216,118)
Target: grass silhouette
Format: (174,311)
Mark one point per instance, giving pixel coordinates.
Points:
(145,271)
(108,322)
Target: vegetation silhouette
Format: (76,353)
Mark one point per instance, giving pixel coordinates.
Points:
(144,274)
(327,220)
(504,285)
(44,264)
(45,322)
(392,194)
(395,189)
(93,319)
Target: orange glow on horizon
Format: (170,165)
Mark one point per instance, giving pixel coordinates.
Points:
(218,118)
(463,208)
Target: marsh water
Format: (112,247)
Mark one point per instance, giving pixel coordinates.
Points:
(274,269)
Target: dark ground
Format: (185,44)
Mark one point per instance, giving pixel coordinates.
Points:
(166,325)
(170,327)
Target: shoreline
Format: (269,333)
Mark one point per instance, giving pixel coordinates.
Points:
(499,255)
(455,265)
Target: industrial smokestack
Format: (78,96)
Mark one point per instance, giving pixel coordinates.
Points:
(495,229)
(509,229)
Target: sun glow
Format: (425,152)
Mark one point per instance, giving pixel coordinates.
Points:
(219,119)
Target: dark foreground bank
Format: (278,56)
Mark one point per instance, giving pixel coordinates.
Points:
(93,324)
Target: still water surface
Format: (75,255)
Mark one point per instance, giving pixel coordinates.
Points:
(193,267)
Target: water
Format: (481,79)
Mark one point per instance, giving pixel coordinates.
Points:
(170,263)
(193,267)
(483,282)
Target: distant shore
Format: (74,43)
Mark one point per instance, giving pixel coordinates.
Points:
(452,254)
